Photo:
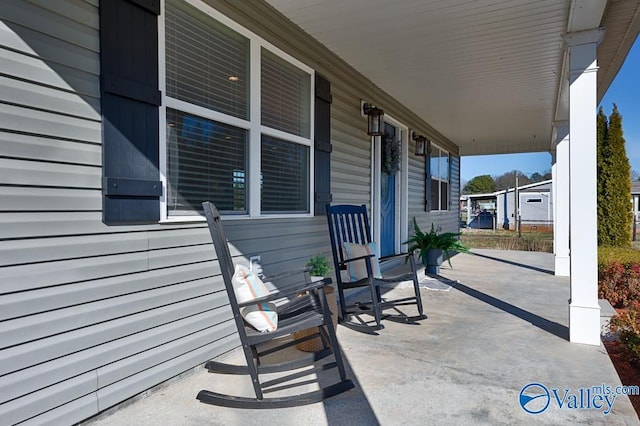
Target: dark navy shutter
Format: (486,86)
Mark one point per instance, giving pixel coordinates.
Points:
(130,98)
(454,195)
(322,150)
(427,178)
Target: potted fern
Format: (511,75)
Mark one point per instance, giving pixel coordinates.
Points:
(434,246)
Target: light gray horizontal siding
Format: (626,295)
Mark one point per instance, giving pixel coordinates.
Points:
(21,172)
(93,314)
(38,70)
(18,36)
(49,99)
(69,413)
(35,352)
(22,408)
(28,120)
(30,147)
(48,373)
(38,326)
(46,299)
(113,394)
(17,199)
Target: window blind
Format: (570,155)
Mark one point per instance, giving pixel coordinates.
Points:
(285,91)
(285,176)
(207,63)
(206,162)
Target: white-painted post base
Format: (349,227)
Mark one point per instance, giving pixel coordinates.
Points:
(562,266)
(585,324)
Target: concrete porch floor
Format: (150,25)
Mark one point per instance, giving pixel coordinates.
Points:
(501,326)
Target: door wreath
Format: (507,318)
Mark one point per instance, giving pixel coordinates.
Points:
(390,155)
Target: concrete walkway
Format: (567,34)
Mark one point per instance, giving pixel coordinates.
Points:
(501,326)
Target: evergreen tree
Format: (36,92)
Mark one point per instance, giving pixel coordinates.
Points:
(602,154)
(614,183)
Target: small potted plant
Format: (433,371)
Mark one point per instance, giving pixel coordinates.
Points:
(318,266)
(434,246)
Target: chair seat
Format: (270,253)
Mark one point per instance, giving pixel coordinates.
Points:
(286,326)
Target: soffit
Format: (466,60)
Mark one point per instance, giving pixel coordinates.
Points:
(484,73)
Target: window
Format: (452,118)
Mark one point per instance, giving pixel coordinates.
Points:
(439,179)
(238,119)
(285,181)
(196,169)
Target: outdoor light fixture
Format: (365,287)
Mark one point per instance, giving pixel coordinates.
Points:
(421,144)
(375,116)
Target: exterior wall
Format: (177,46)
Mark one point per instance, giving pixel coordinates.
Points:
(94,314)
(503,209)
(538,215)
(536,211)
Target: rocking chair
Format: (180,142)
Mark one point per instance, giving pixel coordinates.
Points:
(307,308)
(357,266)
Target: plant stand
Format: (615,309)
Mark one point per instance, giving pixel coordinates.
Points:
(433,261)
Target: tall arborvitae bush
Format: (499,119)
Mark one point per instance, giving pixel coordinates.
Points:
(602,153)
(614,183)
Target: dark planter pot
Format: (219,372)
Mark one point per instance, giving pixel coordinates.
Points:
(433,260)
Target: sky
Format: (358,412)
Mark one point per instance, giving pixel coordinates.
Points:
(624,91)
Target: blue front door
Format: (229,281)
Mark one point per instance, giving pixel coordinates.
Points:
(388,194)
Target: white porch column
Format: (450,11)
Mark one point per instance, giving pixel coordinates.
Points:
(584,311)
(561,201)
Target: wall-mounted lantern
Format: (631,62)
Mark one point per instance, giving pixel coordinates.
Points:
(421,144)
(375,118)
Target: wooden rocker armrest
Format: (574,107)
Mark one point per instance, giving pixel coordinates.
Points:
(292,290)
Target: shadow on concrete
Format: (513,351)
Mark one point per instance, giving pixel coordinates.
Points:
(510,262)
(352,407)
(536,320)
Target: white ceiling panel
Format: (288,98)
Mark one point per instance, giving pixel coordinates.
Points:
(485,73)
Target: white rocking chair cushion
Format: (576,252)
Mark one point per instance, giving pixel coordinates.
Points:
(247,287)
(358,270)
(263,316)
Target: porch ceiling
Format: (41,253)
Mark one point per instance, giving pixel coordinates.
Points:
(485,73)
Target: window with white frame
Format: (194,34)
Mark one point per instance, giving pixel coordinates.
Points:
(439,178)
(238,118)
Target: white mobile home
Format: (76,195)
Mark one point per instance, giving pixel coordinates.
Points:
(535,207)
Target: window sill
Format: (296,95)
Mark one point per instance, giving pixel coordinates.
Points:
(197,219)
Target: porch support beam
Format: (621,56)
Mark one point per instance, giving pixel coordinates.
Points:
(561,200)
(584,311)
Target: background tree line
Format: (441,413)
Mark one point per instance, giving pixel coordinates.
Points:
(485,184)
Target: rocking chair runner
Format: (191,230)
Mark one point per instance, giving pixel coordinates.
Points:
(348,228)
(302,312)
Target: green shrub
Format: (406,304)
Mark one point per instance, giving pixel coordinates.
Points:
(625,256)
(627,324)
(619,283)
